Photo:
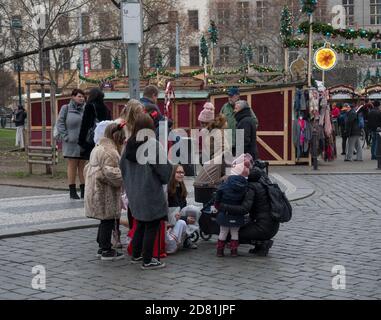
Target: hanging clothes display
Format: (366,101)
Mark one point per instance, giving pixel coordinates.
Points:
(302,135)
(313,102)
(327,139)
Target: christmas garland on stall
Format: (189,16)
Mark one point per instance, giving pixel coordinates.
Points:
(97,81)
(342,48)
(329,31)
(309,6)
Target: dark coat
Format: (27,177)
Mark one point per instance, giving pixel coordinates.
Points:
(93,111)
(256,202)
(154,111)
(144,182)
(231,192)
(352,127)
(246,121)
(20,116)
(374,119)
(177,200)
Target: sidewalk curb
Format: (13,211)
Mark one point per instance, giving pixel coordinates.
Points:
(296,188)
(33,187)
(50,228)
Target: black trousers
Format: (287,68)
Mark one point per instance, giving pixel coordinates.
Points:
(104,234)
(256,231)
(144,239)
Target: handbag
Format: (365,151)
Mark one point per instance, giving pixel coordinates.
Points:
(91,131)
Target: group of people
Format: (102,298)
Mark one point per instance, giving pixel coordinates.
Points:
(353,122)
(114,162)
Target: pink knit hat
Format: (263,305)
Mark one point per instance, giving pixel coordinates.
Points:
(207,114)
(242,165)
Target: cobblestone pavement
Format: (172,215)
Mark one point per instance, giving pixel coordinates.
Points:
(338,225)
(28,207)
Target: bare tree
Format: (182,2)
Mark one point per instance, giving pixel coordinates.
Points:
(7,87)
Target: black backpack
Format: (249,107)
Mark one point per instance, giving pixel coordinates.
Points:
(280,207)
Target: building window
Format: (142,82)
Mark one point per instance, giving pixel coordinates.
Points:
(223,13)
(377,45)
(172,57)
(243,12)
(63,25)
(85,24)
(193,19)
(260,14)
(65,58)
(106,59)
(46,60)
(194,56)
(350,11)
(375,11)
(173,18)
(153,54)
(104,19)
(153,19)
(224,55)
(2,64)
(263,54)
(348,57)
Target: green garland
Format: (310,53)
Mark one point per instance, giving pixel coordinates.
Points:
(286,29)
(342,48)
(329,31)
(309,6)
(97,81)
(204,50)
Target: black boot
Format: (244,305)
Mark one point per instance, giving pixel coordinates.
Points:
(82,187)
(73,192)
(262,248)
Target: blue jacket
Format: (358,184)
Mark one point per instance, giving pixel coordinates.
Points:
(231,192)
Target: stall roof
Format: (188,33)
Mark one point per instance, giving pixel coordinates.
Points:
(180,94)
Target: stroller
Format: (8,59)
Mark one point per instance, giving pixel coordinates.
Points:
(207,221)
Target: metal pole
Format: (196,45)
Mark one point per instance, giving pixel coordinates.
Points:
(315,144)
(43,103)
(82,67)
(309,72)
(177,49)
(133,71)
(18,71)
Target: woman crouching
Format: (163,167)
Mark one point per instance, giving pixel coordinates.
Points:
(103,187)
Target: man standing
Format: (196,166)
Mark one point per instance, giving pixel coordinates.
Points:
(228,111)
(149,101)
(19,120)
(246,121)
(374,121)
(353,131)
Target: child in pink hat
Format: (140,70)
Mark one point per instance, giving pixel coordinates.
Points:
(207,114)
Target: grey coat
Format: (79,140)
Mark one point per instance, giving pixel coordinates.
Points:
(68,126)
(144,183)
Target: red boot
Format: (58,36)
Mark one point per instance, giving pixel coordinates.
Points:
(234,248)
(220,248)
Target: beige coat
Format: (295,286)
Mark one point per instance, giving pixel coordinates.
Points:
(103,182)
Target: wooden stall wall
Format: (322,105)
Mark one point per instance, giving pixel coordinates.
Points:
(273,108)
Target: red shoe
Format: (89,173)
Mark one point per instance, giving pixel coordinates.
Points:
(234,248)
(220,248)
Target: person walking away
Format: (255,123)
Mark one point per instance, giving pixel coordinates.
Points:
(341,122)
(246,122)
(95,112)
(335,113)
(374,122)
(353,130)
(68,127)
(103,188)
(232,192)
(143,181)
(19,120)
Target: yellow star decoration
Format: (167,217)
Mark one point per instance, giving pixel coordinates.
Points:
(325,59)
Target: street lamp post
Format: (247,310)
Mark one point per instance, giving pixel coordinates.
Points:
(16,28)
